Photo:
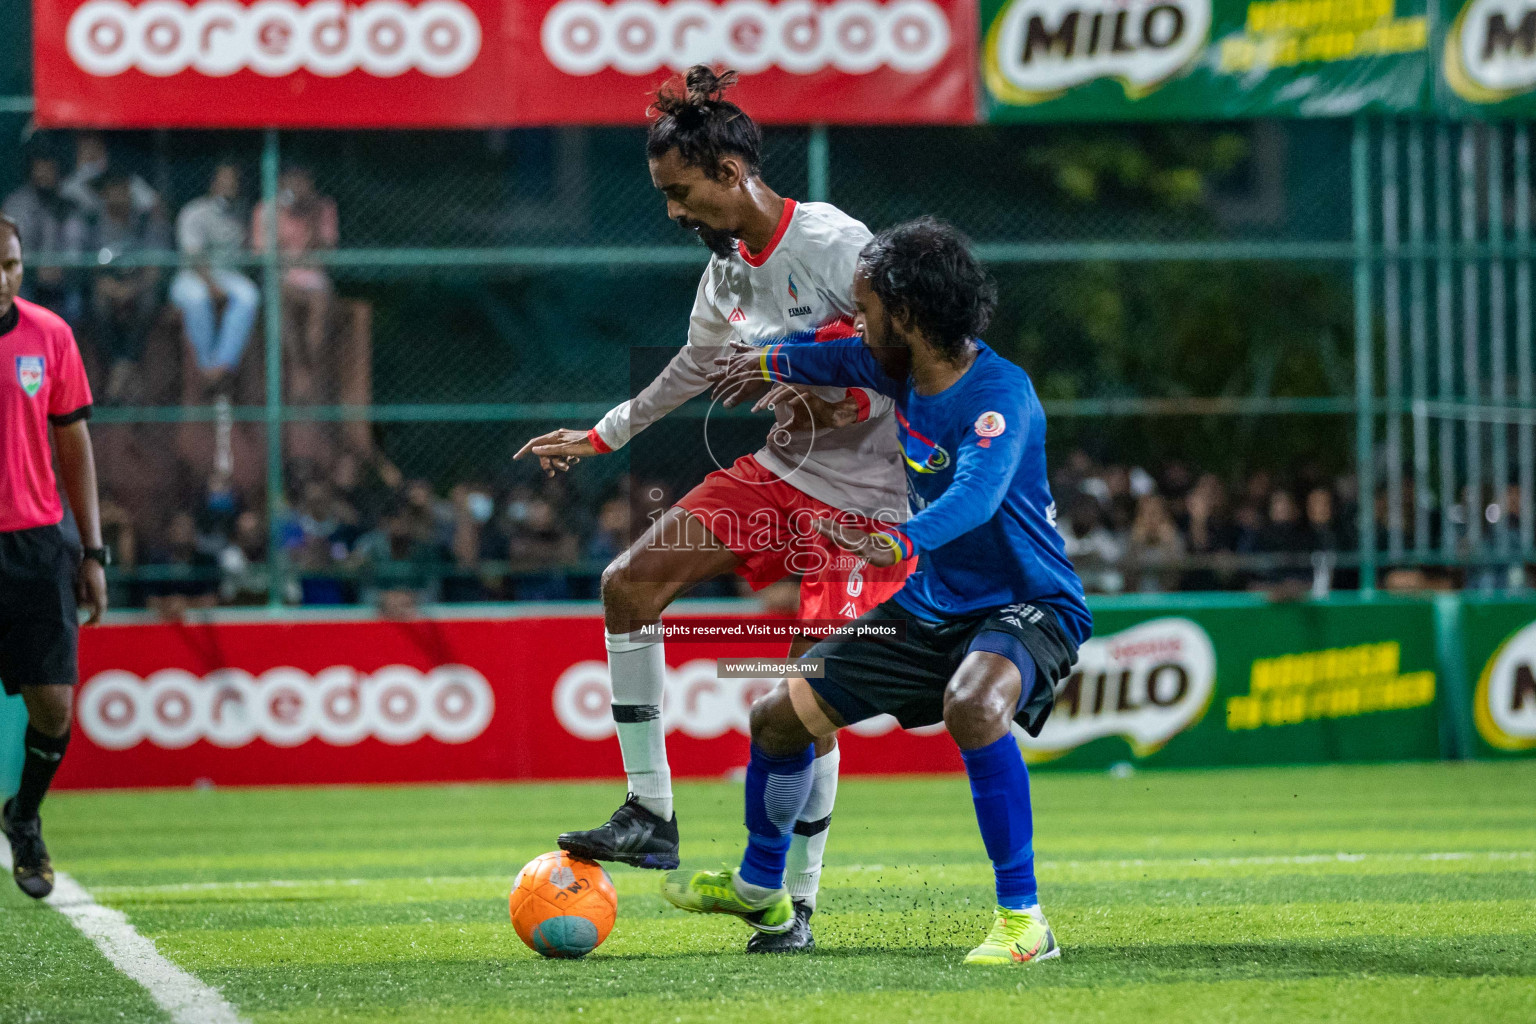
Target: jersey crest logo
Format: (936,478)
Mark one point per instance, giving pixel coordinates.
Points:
(794,296)
(29,374)
(990,424)
(737,316)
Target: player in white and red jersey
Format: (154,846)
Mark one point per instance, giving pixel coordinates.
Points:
(779,267)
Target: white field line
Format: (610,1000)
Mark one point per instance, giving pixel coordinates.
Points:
(1046,865)
(1298,859)
(186,999)
(298,883)
(1306,858)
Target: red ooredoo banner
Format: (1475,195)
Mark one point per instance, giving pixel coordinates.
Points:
(420,701)
(489,63)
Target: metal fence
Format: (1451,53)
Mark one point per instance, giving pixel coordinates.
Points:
(1234,298)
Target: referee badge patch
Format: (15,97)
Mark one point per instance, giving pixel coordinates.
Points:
(29,374)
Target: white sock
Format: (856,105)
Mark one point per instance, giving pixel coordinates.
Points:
(754,895)
(802,868)
(637,669)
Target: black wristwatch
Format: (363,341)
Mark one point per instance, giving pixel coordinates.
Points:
(102,554)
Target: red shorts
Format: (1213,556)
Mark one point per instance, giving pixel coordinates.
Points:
(767,523)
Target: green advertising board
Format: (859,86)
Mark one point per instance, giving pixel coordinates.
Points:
(1183,685)
(1499,642)
(1204,59)
(1487,59)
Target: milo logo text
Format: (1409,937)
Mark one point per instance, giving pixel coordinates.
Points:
(1037,49)
(1504,707)
(1490,52)
(1147,683)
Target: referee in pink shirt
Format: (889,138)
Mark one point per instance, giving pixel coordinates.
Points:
(42,576)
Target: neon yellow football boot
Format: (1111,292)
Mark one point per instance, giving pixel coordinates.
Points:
(714,892)
(1017,937)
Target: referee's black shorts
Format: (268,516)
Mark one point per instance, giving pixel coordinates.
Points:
(39,634)
(906,677)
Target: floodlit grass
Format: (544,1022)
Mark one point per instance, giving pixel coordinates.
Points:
(1392,893)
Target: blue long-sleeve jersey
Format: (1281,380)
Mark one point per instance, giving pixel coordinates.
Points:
(983,522)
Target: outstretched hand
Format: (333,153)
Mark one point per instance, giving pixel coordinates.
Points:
(859,542)
(558,450)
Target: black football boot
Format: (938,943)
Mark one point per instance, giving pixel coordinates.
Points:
(632,836)
(29,857)
(796,940)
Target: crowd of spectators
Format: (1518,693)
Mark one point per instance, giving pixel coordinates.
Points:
(360,531)
(104,216)
(1131,530)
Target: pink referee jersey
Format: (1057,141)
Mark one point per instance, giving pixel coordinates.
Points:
(41,381)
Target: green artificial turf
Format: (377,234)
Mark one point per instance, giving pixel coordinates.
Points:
(1392,893)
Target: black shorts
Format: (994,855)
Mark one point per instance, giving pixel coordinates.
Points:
(907,677)
(39,634)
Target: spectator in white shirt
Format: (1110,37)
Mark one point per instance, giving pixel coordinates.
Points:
(210,232)
(1095,551)
(92,167)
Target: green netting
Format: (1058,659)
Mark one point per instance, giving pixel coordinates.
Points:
(1184,296)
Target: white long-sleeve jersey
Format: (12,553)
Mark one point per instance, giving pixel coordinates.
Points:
(802,280)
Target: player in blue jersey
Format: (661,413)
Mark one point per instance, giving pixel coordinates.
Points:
(989,621)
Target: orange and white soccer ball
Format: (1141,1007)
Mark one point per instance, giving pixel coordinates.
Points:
(563,907)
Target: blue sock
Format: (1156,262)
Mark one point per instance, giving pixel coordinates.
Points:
(1000,790)
(777,788)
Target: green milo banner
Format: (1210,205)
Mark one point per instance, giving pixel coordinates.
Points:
(1499,639)
(1256,684)
(1488,59)
(1206,59)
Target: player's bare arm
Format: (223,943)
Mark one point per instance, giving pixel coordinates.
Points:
(77,468)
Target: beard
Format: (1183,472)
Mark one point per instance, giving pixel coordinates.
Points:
(893,355)
(721,243)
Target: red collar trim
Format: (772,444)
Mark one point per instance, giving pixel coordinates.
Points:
(759,259)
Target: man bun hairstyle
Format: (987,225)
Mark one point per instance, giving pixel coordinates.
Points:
(696,119)
(925,275)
